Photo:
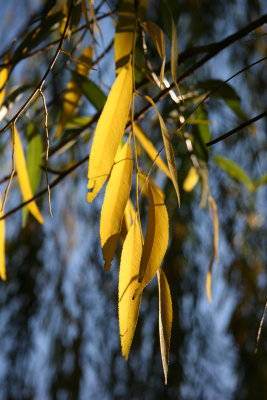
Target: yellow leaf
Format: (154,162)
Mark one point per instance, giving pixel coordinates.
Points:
(3,80)
(124,36)
(128,282)
(157,236)
(23,177)
(73,92)
(174,56)
(2,245)
(168,148)
(150,149)
(165,320)
(109,131)
(116,197)
(157,36)
(208,282)
(127,220)
(191,180)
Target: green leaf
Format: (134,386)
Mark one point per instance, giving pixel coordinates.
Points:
(34,161)
(234,171)
(201,135)
(262,181)
(91,91)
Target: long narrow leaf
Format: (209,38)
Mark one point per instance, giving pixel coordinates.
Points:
(2,245)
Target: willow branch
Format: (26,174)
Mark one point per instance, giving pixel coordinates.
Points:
(237,129)
(42,82)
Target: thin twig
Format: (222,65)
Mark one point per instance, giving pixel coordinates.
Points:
(237,129)
(260,328)
(12,168)
(47,151)
(42,82)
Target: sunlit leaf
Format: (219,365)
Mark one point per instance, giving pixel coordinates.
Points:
(165,319)
(215,221)
(116,197)
(109,131)
(168,148)
(3,80)
(234,171)
(128,218)
(157,35)
(124,36)
(73,91)
(2,245)
(23,177)
(157,236)
(191,179)
(150,149)
(128,282)
(34,162)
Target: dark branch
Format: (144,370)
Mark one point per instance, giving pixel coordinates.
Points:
(237,129)
(41,84)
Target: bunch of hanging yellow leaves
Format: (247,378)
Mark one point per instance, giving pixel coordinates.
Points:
(112,161)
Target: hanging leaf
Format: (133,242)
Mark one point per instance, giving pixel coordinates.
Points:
(109,131)
(34,162)
(128,218)
(124,36)
(174,56)
(157,36)
(150,149)
(23,177)
(91,91)
(116,197)
(2,245)
(3,80)
(215,221)
(73,92)
(165,320)
(168,148)
(262,181)
(191,180)
(157,237)
(128,282)
(234,171)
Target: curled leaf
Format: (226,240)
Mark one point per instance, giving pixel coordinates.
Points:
(23,177)
(128,218)
(157,236)
(116,197)
(150,149)
(165,320)
(128,282)
(168,148)
(109,131)
(157,35)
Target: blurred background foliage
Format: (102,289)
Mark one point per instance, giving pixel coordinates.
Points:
(59,329)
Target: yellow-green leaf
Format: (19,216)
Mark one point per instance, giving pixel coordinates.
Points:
(165,320)
(157,236)
(128,282)
(215,221)
(23,177)
(157,35)
(2,245)
(73,92)
(116,197)
(191,180)
(168,148)
(150,149)
(109,131)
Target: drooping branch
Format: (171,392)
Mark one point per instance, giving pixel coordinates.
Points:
(42,82)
